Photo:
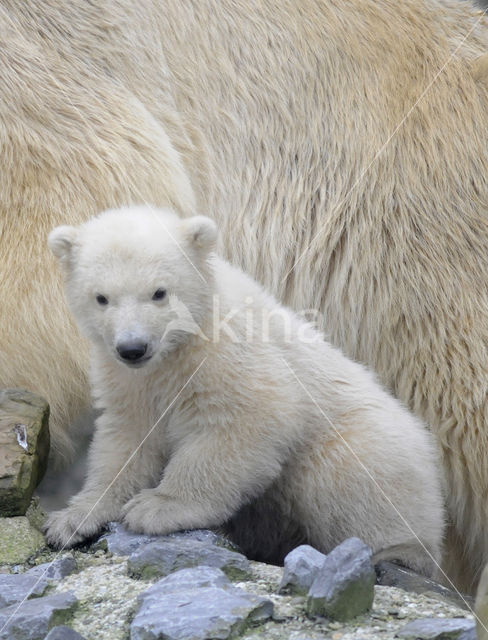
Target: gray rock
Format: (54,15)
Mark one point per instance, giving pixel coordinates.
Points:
(203,535)
(121,542)
(470,635)
(301,567)
(33,583)
(24,442)
(165,555)
(389,574)
(63,633)
(55,570)
(344,587)
(440,628)
(186,579)
(35,617)
(182,606)
(15,587)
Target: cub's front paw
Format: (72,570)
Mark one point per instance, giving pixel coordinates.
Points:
(153,513)
(142,513)
(66,528)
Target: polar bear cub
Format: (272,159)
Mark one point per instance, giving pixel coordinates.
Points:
(222,408)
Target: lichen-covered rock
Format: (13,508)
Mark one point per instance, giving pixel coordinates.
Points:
(24,442)
(344,586)
(301,567)
(200,604)
(18,540)
(165,555)
(35,617)
(436,628)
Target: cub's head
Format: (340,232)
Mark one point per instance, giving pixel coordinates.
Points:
(138,280)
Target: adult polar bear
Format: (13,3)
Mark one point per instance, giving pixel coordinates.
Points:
(279,115)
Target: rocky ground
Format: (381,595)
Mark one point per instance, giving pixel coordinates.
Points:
(191,585)
(195,585)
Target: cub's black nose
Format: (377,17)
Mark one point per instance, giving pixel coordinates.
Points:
(131,351)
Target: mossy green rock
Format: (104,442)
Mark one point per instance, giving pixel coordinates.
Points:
(344,586)
(19,541)
(24,442)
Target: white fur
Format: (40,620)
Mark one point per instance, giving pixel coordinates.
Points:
(276,118)
(278,437)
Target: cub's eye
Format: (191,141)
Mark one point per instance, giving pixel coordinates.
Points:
(101,299)
(159,294)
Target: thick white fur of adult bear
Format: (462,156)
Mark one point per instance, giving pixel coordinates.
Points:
(219,404)
(341,147)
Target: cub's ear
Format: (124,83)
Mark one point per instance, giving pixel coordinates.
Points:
(200,232)
(61,241)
